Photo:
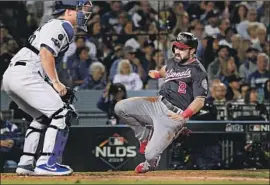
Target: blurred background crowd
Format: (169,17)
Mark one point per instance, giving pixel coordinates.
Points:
(126,39)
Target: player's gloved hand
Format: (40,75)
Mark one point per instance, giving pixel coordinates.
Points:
(69,97)
(154,74)
(60,88)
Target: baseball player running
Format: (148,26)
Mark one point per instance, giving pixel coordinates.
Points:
(24,82)
(182,95)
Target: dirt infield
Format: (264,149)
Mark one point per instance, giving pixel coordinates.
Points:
(158,177)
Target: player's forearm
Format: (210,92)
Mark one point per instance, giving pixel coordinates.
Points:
(162,72)
(194,107)
(48,63)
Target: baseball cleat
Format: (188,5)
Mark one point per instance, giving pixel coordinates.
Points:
(143,146)
(25,170)
(142,168)
(54,170)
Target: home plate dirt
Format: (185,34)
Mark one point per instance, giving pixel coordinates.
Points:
(157,177)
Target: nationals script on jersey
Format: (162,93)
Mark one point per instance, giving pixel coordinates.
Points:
(55,35)
(184,82)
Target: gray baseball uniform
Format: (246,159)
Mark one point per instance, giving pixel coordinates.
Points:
(182,84)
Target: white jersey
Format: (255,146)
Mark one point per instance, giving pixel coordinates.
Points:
(55,35)
(131,81)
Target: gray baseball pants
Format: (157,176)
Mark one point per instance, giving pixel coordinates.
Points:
(141,111)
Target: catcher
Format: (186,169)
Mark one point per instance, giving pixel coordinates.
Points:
(24,83)
(181,96)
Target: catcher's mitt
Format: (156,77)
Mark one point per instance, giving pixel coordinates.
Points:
(69,97)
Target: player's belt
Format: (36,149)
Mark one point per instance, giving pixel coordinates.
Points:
(20,64)
(170,106)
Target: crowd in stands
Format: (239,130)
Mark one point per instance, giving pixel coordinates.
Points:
(126,39)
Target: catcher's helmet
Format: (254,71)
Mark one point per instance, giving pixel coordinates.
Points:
(83,8)
(185,40)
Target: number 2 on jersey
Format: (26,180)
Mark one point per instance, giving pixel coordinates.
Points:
(182,87)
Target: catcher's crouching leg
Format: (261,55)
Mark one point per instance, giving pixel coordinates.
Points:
(54,144)
(32,143)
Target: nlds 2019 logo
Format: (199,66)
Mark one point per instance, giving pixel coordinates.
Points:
(115,151)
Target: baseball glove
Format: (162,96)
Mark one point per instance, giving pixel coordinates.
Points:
(69,97)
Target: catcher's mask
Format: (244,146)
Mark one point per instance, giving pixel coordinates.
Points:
(83,8)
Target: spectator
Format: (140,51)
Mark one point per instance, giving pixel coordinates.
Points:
(211,46)
(71,54)
(4,34)
(7,51)
(265,18)
(182,23)
(261,33)
(212,27)
(127,77)
(148,50)
(12,47)
(113,93)
(144,16)
(175,18)
(219,93)
(95,78)
(145,56)
(214,68)
(267,91)
(229,35)
(198,30)
(209,8)
(113,55)
(233,92)
(249,66)
(251,98)
(252,32)
(223,26)
(227,38)
(228,70)
(235,40)
(244,87)
(239,14)
(10,142)
(79,68)
(242,27)
(110,19)
(258,78)
(138,41)
(130,55)
(158,60)
(122,26)
(214,83)
(80,42)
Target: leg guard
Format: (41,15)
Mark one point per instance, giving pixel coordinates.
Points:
(32,141)
(56,137)
(59,146)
